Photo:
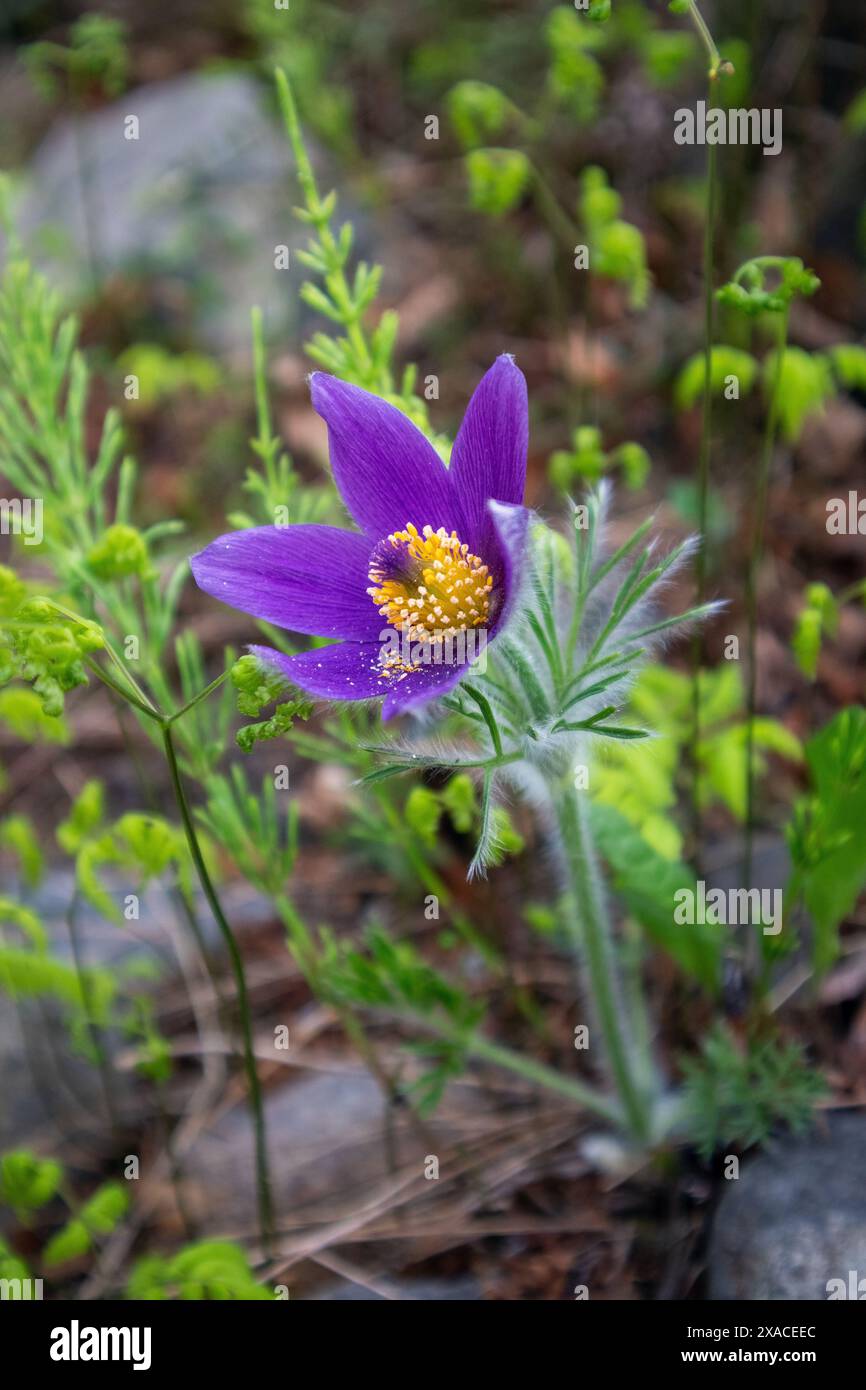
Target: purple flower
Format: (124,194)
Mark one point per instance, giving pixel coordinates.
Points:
(435,565)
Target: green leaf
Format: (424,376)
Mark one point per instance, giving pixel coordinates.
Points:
(23,713)
(804,385)
(855,115)
(257,683)
(422,812)
(28,1182)
(825,834)
(98,1217)
(84,818)
(26,920)
(767,285)
(575,77)
(648,884)
(776,738)
(587,461)
(617,248)
(141,843)
(11,1267)
(635,463)
(619,252)
(849,363)
(69,1243)
(477,111)
(28,974)
(12,591)
(119,553)
(723,757)
(740,1094)
(280,722)
(210,1270)
(724,362)
(39,644)
(506,839)
(806,641)
(18,835)
(818,618)
(162,374)
(666,54)
(459,799)
(638,782)
(498,179)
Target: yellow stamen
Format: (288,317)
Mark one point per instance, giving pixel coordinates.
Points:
(441,589)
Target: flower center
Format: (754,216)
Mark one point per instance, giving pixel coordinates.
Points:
(428,584)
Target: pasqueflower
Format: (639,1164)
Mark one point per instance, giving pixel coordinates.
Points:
(433,571)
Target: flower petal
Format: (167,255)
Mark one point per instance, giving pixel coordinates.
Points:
(489,455)
(344,671)
(311,579)
(420,686)
(352,670)
(508,528)
(387,472)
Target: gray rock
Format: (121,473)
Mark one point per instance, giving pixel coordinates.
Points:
(795,1219)
(331,1140)
(201,198)
(41,1078)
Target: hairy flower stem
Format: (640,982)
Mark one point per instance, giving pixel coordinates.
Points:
(701,559)
(593,939)
(263,1181)
(756,555)
(539,1074)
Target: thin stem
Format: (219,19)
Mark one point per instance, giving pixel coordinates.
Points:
(175,1165)
(202,695)
(706,38)
(703,478)
(760,514)
(263,410)
(263,1183)
(319,216)
(187,908)
(853,591)
(592,935)
(707,412)
(558,220)
(141,700)
(95,1033)
(118,689)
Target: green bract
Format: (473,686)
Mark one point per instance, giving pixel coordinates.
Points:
(498,179)
(121,552)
